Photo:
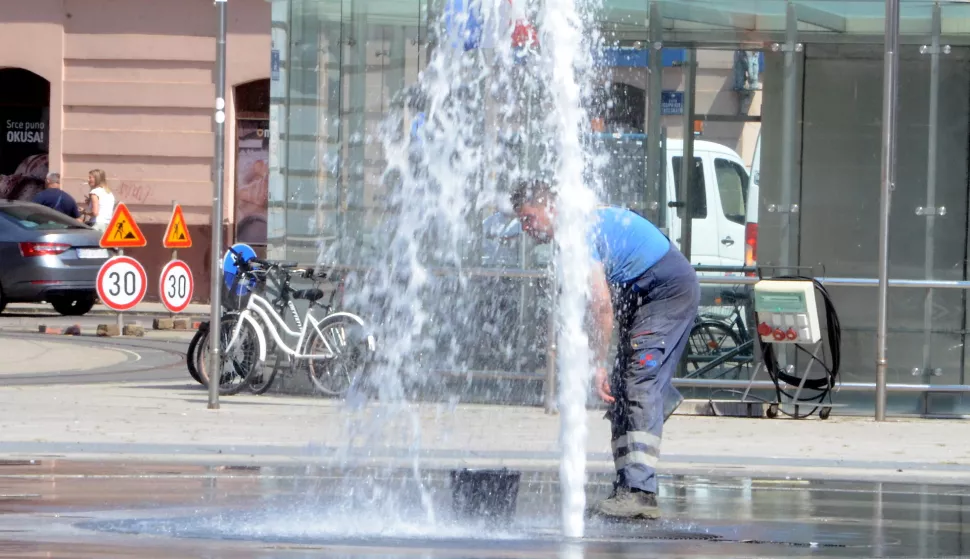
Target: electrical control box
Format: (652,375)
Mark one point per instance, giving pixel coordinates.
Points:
(786,312)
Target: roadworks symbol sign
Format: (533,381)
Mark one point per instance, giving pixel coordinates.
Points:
(122,231)
(177,235)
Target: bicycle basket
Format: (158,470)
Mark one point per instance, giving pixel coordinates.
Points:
(241,286)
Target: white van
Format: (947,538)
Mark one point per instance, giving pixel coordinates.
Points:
(720,196)
(723,202)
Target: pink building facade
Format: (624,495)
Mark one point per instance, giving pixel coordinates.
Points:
(128,86)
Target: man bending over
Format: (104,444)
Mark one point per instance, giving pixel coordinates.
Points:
(641,280)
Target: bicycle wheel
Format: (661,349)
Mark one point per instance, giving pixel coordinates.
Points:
(341,354)
(237,363)
(709,340)
(260,381)
(191,355)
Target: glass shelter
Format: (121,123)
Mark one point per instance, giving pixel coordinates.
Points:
(779,104)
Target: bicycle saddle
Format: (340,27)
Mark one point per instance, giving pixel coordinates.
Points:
(308,294)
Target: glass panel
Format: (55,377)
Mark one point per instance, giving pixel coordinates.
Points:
(348,59)
(841,150)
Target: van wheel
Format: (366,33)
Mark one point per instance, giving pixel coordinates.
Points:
(73,305)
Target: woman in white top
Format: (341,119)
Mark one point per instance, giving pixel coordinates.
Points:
(100,201)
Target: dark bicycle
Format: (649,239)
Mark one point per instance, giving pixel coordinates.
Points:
(722,347)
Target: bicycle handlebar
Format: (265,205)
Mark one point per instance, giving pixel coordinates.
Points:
(246,265)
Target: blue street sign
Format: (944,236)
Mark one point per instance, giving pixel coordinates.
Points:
(671,102)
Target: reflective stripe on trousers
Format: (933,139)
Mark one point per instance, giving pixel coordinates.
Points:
(636,448)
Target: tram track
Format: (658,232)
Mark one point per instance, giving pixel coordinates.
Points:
(146,360)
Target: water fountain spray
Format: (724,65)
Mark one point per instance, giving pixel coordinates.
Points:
(448,164)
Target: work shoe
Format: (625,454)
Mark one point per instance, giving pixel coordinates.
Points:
(628,504)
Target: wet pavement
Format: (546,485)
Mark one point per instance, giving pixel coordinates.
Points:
(56,508)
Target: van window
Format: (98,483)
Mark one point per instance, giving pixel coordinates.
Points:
(698,196)
(732,185)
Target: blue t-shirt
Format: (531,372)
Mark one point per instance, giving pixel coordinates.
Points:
(626,244)
(57,199)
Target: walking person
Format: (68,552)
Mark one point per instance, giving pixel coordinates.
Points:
(641,281)
(100,202)
(56,199)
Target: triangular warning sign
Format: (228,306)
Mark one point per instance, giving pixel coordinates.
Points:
(177,235)
(122,231)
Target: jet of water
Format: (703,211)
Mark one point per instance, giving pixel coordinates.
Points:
(447,143)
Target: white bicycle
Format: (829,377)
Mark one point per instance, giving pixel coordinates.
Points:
(336,347)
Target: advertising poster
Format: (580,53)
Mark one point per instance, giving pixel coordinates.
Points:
(24,141)
(252,180)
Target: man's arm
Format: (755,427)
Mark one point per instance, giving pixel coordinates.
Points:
(601,314)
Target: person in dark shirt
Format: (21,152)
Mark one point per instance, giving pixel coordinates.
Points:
(55,198)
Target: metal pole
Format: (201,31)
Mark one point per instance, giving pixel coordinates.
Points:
(888,179)
(215,335)
(789,100)
(431,30)
(930,208)
(655,119)
(121,318)
(552,338)
(175,255)
(687,167)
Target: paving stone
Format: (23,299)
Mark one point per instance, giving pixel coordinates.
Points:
(135,330)
(106,330)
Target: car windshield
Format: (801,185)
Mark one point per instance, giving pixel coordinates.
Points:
(36,217)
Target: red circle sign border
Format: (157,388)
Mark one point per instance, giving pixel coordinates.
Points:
(161,285)
(141,271)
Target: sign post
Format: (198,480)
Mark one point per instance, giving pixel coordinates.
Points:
(122,232)
(175,285)
(215,335)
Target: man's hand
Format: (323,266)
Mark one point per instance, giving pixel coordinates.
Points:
(602,382)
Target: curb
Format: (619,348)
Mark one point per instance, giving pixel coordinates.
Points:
(130,330)
(93,312)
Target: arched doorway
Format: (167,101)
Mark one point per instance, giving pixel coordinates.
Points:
(252,161)
(24,133)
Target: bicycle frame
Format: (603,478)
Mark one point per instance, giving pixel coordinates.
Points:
(260,307)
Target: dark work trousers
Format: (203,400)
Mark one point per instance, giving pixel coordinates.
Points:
(654,316)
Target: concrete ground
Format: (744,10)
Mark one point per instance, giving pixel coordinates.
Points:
(154,417)
(42,356)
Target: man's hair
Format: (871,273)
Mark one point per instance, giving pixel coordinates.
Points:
(531,192)
(54,178)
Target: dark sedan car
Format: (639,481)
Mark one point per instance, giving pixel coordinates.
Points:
(47,256)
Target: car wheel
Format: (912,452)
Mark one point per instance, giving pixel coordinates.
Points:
(3,300)
(73,306)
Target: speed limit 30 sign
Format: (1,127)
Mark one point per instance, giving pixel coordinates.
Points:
(175,286)
(122,283)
